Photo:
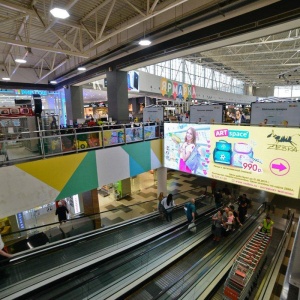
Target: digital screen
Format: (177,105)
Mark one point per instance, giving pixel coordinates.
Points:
(153,114)
(263,158)
(283,113)
(208,114)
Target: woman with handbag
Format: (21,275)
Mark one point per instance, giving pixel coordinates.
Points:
(186,149)
(168,204)
(217,225)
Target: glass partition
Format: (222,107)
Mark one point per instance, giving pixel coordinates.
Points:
(22,146)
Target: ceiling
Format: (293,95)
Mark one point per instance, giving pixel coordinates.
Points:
(266,61)
(99,32)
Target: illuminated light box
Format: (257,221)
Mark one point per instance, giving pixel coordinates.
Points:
(263,158)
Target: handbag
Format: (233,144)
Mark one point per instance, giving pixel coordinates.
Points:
(192,227)
(194,160)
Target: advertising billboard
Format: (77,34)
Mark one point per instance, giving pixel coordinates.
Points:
(263,158)
(283,113)
(133,81)
(206,114)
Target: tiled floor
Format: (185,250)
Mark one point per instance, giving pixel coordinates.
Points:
(183,186)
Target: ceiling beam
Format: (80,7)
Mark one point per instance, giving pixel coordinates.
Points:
(95,10)
(106,19)
(40,47)
(51,71)
(137,22)
(135,8)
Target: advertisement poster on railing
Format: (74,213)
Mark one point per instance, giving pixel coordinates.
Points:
(257,157)
(67,142)
(150,132)
(207,114)
(134,134)
(113,137)
(153,114)
(282,113)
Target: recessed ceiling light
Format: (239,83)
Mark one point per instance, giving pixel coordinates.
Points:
(59,13)
(21,61)
(6,78)
(53,81)
(81,69)
(144,42)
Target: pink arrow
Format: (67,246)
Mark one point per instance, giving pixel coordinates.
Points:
(279,167)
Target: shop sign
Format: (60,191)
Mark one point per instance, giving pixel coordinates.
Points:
(30,92)
(176,90)
(20,220)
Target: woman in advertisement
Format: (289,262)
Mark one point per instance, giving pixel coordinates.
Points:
(186,149)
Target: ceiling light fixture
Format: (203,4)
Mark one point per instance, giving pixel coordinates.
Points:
(20,61)
(59,13)
(6,78)
(53,81)
(144,42)
(81,69)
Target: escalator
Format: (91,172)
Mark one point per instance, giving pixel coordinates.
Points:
(115,277)
(28,271)
(199,276)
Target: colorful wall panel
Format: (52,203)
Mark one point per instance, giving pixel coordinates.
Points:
(27,185)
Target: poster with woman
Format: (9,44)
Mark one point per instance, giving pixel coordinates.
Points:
(187,147)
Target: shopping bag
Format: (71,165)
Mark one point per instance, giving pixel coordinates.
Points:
(192,227)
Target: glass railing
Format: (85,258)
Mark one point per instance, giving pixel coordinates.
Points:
(40,144)
(40,235)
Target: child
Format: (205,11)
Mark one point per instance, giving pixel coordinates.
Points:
(230,220)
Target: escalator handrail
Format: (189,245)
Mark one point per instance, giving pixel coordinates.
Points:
(89,215)
(161,236)
(264,286)
(32,253)
(196,264)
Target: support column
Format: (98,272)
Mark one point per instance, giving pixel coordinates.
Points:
(74,104)
(91,206)
(117,96)
(162,180)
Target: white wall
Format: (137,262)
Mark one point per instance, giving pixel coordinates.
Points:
(151,83)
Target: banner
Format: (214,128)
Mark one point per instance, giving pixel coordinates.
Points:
(257,157)
(176,90)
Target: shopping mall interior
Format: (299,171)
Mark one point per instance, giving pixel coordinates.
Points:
(96,107)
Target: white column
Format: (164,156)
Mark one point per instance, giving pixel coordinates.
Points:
(162,180)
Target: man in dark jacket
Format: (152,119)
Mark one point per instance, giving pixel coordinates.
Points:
(61,212)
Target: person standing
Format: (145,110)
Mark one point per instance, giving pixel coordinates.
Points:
(217,225)
(190,210)
(218,198)
(267,226)
(92,123)
(186,149)
(130,117)
(160,207)
(2,252)
(168,204)
(242,210)
(61,212)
